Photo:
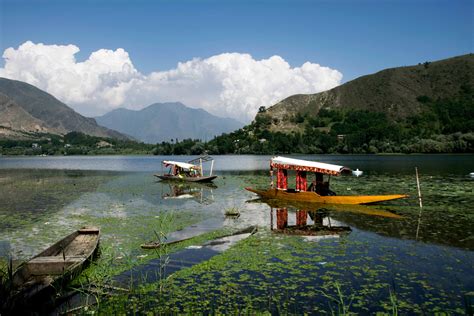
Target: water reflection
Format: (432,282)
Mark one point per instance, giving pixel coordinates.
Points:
(307,223)
(201,193)
(388,221)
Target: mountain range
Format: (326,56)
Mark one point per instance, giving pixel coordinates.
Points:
(433,101)
(167,121)
(26,110)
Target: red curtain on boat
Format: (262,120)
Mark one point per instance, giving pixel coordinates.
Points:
(282,218)
(282,179)
(301,183)
(301,217)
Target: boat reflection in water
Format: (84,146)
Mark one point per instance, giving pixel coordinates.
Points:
(315,221)
(199,192)
(310,223)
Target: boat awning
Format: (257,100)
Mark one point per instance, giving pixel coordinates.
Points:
(183,165)
(306,165)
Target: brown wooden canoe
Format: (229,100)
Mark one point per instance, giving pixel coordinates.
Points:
(316,198)
(62,260)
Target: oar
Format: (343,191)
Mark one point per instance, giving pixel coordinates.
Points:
(421,203)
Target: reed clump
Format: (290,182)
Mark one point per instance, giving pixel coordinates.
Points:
(6,284)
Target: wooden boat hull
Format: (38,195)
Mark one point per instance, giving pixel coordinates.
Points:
(59,262)
(185,179)
(313,197)
(155,244)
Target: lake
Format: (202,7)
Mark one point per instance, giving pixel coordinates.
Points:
(366,259)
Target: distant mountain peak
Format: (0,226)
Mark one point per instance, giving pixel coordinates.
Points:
(165,121)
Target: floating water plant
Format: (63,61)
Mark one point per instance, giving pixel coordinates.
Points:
(268,273)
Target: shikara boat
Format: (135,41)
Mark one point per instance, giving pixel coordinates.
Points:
(58,263)
(318,191)
(191,171)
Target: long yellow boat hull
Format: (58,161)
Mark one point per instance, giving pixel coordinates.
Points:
(316,198)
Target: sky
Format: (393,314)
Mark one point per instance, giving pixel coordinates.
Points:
(227,57)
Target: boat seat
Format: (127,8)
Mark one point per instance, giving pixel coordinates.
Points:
(52,265)
(89,230)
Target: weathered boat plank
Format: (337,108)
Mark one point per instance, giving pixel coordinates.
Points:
(59,262)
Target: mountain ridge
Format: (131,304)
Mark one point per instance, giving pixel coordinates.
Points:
(56,117)
(393,91)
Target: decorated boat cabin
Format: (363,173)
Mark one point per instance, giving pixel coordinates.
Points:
(305,181)
(182,168)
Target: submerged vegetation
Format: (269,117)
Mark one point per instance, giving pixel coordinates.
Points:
(359,272)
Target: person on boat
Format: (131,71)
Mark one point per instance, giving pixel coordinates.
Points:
(323,189)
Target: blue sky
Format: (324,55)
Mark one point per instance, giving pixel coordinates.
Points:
(353,37)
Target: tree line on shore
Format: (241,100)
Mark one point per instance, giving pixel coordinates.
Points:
(444,126)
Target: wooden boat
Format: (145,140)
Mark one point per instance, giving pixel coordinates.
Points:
(184,178)
(318,191)
(156,244)
(187,171)
(316,198)
(59,262)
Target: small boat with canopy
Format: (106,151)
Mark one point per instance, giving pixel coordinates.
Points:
(191,171)
(318,190)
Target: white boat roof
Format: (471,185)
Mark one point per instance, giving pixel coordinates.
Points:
(183,165)
(307,165)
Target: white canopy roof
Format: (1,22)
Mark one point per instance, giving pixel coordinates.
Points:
(183,165)
(306,165)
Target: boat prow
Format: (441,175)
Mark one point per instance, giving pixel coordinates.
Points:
(313,197)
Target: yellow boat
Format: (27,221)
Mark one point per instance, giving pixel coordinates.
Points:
(318,191)
(316,198)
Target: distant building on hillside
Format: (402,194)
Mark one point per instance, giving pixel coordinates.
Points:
(103,144)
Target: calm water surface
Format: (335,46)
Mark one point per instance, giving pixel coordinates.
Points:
(427,261)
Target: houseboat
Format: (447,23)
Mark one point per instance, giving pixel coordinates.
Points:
(318,190)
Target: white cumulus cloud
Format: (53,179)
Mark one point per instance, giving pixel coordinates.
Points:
(229,85)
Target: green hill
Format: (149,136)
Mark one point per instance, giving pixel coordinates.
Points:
(427,108)
(398,93)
